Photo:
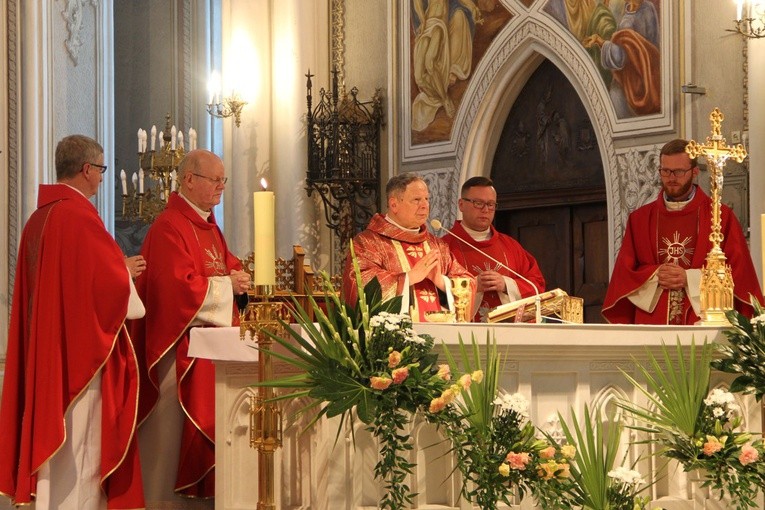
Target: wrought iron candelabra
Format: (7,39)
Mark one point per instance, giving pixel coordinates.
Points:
(344,156)
(157,172)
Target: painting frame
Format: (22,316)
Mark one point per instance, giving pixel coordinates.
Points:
(521,18)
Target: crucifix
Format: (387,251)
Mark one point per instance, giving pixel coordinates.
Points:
(716,280)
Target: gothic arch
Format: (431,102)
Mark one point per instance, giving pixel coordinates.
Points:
(500,79)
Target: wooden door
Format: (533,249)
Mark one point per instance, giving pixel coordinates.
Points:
(570,243)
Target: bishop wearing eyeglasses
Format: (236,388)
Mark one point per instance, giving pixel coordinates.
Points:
(191,280)
(657,273)
(496,284)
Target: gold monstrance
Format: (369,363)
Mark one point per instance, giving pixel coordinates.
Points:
(716,278)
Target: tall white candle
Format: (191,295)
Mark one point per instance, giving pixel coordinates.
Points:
(173,137)
(153,137)
(140,180)
(180,139)
(265,241)
(161,139)
(134,179)
(139,141)
(123,178)
(173,180)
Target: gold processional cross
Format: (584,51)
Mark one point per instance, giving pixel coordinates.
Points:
(716,279)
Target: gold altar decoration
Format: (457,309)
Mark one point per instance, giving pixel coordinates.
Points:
(554,302)
(461,293)
(260,316)
(157,172)
(716,279)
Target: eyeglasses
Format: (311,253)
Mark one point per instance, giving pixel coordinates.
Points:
(220,181)
(101,168)
(676,172)
(480,204)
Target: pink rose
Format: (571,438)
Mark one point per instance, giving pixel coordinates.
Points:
(565,470)
(400,375)
(518,460)
(547,453)
(444,372)
(712,446)
(437,404)
(394,358)
(748,455)
(465,381)
(380,383)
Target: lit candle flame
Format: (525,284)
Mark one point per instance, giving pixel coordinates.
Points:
(263,184)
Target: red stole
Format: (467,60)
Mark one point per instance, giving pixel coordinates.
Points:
(67,324)
(677,233)
(182,250)
(423,295)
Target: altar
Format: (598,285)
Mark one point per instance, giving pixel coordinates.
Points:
(557,367)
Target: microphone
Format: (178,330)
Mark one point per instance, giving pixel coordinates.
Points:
(436,224)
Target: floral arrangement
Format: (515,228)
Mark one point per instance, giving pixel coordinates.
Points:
(495,444)
(597,483)
(366,361)
(745,352)
(699,428)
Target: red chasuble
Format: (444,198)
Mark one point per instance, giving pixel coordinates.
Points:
(655,235)
(503,248)
(387,252)
(70,301)
(182,250)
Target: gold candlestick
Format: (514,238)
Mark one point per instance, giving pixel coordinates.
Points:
(259,317)
(716,279)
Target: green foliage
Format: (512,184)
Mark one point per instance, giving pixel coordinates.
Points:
(365,361)
(698,428)
(745,352)
(598,483)
(487,429)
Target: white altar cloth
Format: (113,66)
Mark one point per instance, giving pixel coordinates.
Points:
(558,367)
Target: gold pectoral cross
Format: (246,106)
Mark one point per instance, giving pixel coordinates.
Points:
(716,278)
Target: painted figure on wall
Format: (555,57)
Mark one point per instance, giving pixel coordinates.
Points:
(448,38)
(623,38)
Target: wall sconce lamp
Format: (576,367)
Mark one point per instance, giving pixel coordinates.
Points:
(224,107)
(750,18)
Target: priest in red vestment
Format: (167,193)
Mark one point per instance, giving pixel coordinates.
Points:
(658,270)
(190,280)
(406,259)
(71,370)
(475,242)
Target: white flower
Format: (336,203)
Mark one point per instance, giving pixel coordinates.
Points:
(626,476)
(515,402)
(717,412)
(719,397)
(414,337)
(391,327)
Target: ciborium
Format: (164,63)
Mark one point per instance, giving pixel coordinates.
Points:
(461,292)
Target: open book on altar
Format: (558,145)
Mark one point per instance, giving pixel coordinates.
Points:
(554,302)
